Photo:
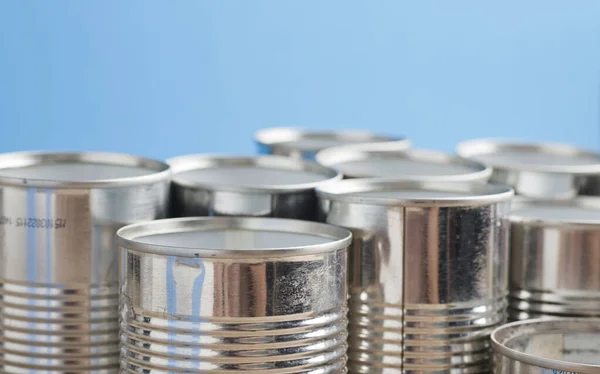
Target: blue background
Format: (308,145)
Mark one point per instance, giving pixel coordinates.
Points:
(162,78)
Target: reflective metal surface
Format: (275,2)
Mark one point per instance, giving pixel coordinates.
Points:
(555,258)
(304,144)
(561,345)
(427,272)
(58,268)
(227,294)
(537,170)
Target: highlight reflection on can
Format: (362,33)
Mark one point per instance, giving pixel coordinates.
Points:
(59,274)
(231,294)
(555,258)
(427,272)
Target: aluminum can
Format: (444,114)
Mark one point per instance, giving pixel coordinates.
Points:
(304,144)
(555,258)
(59,263)
(262,186)
(427,272)
(393,160)
(541,171)
(233,294)
(548,346)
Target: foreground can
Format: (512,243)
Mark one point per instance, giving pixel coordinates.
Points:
(555,258)
(391,160)
(538,170)
(231,294)
(550,346)
(304,144)
(59,275)
(263,186)
(427,272)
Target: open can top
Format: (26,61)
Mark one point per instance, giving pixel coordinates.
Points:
(582,211)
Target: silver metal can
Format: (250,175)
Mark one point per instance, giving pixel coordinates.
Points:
(263,186)
(555,258)
(537,170)
(233,294)
(304,143)
(58,271)
(548,346)
(389,160)
(427,272)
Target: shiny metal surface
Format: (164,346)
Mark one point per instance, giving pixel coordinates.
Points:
(537,170)
(304,144)
(427,272)
(262,186)
(555,258)
(558,345)
(228,294)
(58,268)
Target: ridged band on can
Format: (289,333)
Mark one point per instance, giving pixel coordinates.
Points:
(545,170)
(555,258)
(427,272)
(59,276)
(304,143)
(262,186)
(233,294)
(393,160)
(543,346)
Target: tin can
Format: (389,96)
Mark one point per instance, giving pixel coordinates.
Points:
(389,160)
(555,258)
(58,275)
(304,143)
(263,186)
(537,170)
(427,272)
(233,294)
(546,346)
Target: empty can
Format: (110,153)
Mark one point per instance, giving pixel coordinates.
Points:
(59,266)
(264,186)
(558,345)
(386,160)
(537,170)
(233,294)
(555,258)
(427,272)
(304,143)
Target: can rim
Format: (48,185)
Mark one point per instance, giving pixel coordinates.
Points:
(499,338)
(333,156)
(191,162)
(471,149)
(162,171)
(127,236)
(579,201)
(349,190)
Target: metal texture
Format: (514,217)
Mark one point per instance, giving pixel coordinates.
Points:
(549,346)
(263,186)
(427,272)
(555,258)
(304,144)
(393,160)
(541,171)
(229,294)
(58,267)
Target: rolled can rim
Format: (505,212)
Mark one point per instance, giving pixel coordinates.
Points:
(126,236)
(578,201)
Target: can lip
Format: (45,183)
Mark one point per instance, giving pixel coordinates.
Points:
(476,193)
(191,162)
(511,330)
(333,156)
(162,171)
(585,202)
(472,149)
(126,236)
(280,136)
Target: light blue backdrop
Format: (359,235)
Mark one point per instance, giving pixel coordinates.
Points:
(161,78)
